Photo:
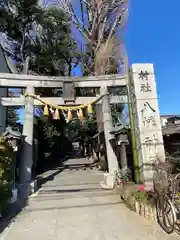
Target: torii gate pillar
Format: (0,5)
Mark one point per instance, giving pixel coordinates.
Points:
(108,182)
(27,149)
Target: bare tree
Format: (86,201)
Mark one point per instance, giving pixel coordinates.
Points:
(99,23)
(109,57)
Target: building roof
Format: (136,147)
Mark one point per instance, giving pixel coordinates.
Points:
(171,129)
(12,132)
(170,116)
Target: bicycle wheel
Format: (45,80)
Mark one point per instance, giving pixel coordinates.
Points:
(166,214)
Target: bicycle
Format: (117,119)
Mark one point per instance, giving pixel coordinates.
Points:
(168,204)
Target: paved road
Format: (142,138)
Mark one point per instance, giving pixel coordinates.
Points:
(73,206)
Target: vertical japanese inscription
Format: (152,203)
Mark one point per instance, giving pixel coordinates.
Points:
(151,144)
(145,86)
(147,112)
(148,115)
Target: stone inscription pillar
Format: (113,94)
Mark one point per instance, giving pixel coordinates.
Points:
(148,132)
(27,149)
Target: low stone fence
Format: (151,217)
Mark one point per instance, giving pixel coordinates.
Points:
(143,206)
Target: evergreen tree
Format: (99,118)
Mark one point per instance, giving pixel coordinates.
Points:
(55,51)
(42,45)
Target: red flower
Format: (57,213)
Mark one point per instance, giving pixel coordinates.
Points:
(141,188)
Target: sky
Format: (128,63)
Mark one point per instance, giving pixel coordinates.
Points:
(152,35)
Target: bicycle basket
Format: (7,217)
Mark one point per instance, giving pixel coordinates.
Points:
(160,181)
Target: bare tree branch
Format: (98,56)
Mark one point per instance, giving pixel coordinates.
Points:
(105,17)
(26,65)
(22,45)
(67,6)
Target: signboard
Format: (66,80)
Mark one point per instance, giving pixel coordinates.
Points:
(68,91)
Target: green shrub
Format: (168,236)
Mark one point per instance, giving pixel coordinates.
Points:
(123,175)
(140,196)
(6,158)
(5,193)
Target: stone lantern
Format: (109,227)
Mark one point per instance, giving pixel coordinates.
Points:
(13,137)
(121,135)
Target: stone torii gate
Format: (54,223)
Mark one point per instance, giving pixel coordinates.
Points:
(142,97)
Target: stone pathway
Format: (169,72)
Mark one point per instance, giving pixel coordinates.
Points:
(73,206)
